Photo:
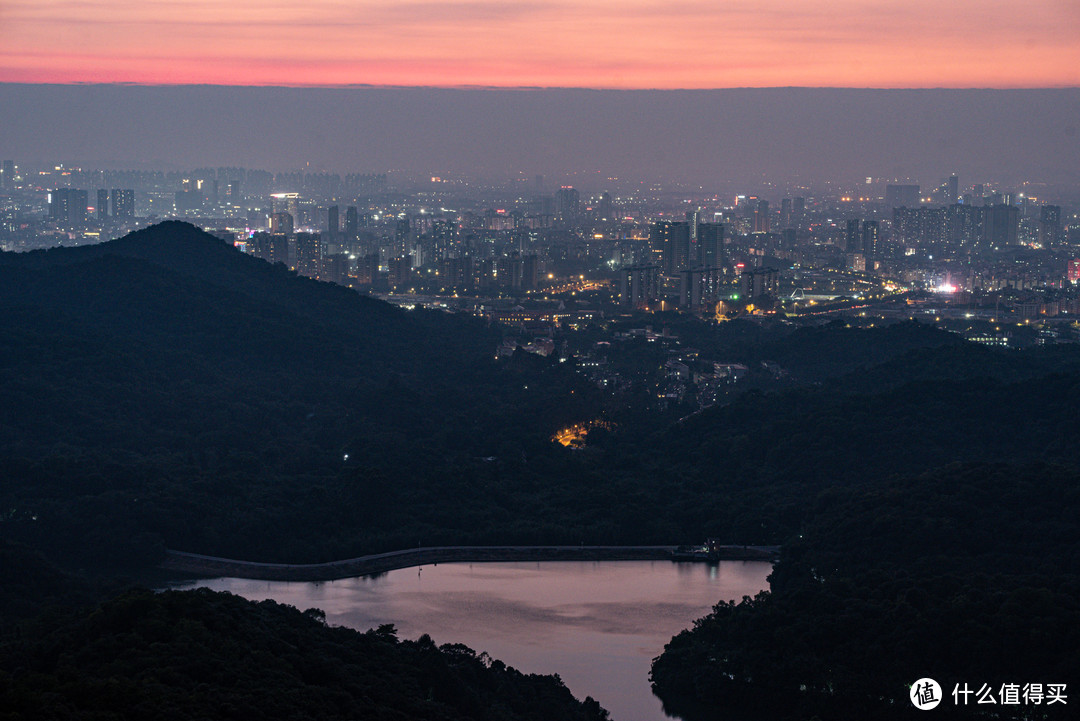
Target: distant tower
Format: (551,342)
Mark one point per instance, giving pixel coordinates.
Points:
(232,192)
(710,245)
(102,206)
(309,254)
(761,217)
(1050,226)
(281,223)
(67,206)
(673,240)
(785,213)
(607,210)
(852,236)
(870,243)
(798,209)
(567,202)
(352,222)
(332,224)
(954,190)
(7,175)
(123,203)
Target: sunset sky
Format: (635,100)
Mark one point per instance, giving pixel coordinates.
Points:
(549,43)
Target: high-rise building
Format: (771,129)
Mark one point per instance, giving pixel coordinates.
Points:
(606,208)
(402,231)
(7,175)
(870,241)
(352,222)
(332,224)
(567,203)
(67,206)
(710,245)
(400,271)
(757,282)
(281,223)
(367,269)
(336,269)
(232,192)
(123,203)
(700,287)
(309,254)
(271,247)
(853,236)
(762,222)
(672,238)
(798,209)
(1050,226)
(1001,226)
(640,287)
(785,213)
(953,192)
(102,206)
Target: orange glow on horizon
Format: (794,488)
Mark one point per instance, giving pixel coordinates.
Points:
(544,43)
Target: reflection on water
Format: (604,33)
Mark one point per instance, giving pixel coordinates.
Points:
(597,624)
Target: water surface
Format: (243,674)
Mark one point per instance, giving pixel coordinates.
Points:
(598,624)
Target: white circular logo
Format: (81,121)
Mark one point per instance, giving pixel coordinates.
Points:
(925,694)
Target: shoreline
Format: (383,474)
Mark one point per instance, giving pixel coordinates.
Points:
(198,565)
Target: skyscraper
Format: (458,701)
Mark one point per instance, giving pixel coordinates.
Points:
(1050,226)
(785,213)
(281,223)
(710,245)
(1001,226)
(852,236)
(567,203)
(352,222)
(640,286)
(67,206)
(102,206)
(673,240)
(870,241)
(7,175)
(332,224)
(123,203)
(309,254)
(762,223)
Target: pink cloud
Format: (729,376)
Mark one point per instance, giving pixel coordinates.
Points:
(688,43)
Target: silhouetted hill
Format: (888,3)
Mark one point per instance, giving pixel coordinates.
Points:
(164,388)
(199,654)
(969,574)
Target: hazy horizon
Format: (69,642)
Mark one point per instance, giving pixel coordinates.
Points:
(692,136)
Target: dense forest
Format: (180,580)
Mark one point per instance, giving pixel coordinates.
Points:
(166,391)
(969,574)
(199,655)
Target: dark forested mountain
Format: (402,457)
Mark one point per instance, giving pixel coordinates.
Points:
(166,389)
(969,575)
(200,654)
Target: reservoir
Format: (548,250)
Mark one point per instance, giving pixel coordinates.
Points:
(598,624)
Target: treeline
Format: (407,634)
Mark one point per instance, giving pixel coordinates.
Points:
(199,654)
